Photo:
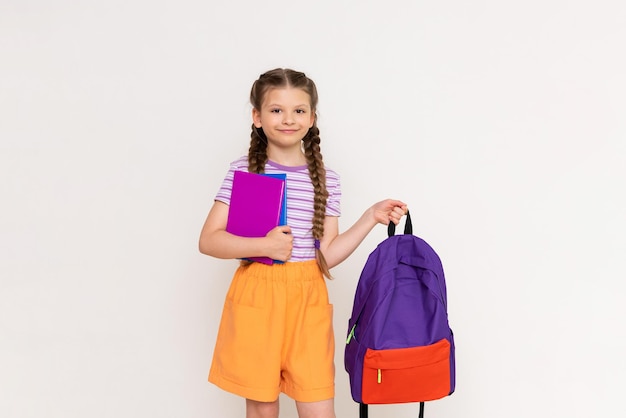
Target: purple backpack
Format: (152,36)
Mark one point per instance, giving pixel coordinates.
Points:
(400,347)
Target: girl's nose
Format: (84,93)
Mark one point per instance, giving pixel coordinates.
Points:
(287,119)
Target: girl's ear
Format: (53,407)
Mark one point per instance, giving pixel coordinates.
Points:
(256,118)
(313,119)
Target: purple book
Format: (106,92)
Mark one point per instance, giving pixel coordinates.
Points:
(255,206)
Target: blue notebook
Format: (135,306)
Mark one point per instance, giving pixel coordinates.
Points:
(283,209)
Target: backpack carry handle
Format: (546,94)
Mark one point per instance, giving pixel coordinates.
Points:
(408,226)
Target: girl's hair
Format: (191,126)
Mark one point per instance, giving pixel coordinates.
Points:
(257,153)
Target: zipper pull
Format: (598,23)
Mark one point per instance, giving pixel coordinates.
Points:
(380,376)
(351,335)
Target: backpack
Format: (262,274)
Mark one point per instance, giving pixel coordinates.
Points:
(399,346)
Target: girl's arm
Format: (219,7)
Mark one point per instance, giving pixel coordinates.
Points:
(337,247)
(216,242)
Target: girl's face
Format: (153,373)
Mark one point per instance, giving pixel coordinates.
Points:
(285,117)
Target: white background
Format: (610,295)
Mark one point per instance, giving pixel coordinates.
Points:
(501,124)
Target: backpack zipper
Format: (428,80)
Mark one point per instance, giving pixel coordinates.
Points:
(351,335)
(380,376)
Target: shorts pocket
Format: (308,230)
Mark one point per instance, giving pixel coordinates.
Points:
(318,324)
(316,348)
(411,374)
(243,334)
(248,289)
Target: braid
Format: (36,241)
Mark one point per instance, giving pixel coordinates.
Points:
(257,153)
(317,172)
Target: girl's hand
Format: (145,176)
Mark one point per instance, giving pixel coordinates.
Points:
(279,243)
(389,210)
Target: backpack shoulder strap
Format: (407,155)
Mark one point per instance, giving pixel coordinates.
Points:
(363,412)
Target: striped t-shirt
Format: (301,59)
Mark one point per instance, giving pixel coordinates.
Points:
(299,201)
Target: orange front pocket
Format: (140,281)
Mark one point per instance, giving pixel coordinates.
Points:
(412,374)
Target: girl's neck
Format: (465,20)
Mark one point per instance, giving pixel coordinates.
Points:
(289,158)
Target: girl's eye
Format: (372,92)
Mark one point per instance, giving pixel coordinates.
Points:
(275,110)
(301,111)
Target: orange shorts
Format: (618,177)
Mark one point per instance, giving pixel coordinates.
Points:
(276,334)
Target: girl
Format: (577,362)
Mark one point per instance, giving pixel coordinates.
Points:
(276,330)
